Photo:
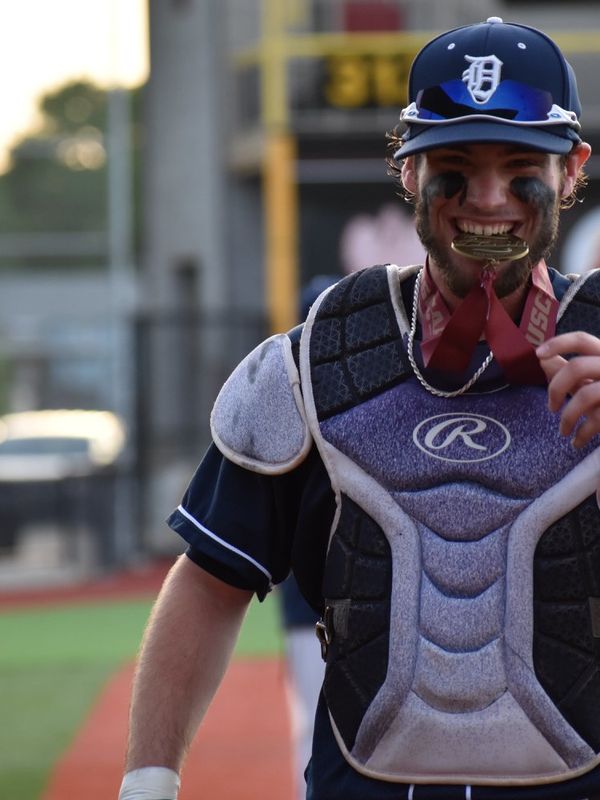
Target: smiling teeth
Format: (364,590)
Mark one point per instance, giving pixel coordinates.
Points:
(485,230)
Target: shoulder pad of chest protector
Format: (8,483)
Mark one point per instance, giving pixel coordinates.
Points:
(258,417)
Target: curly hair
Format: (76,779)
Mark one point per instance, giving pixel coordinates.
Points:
(581,182)
(394,168)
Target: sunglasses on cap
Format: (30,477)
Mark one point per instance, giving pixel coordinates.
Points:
(512,102)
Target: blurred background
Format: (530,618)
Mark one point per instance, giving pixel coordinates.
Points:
(173,173)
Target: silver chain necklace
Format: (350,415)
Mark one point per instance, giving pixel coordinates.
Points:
(411,357)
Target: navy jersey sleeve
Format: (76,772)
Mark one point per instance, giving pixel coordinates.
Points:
(243,527)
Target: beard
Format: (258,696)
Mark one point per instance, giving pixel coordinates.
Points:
(516,274)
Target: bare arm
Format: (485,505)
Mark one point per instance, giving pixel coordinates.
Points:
(186,648)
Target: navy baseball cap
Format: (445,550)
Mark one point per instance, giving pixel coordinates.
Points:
(491,82)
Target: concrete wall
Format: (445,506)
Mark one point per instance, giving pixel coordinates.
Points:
(184,214)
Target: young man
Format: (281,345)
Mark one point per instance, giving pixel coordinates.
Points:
(426,458)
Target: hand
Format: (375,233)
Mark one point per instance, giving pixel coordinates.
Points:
(577,379)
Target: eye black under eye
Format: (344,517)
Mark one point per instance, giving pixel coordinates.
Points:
(534,191)
(447,184)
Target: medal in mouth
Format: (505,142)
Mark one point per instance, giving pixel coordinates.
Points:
(491,249)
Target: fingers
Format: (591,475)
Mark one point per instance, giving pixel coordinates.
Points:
(552,365)
(565,377)
(577,379)
(587,430)
(574,342)
(572,377)
(585,404)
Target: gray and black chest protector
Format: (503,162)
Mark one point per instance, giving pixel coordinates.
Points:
(463,571)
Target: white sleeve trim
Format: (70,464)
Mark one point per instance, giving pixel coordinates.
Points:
(223,543)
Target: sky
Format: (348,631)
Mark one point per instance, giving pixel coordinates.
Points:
(45,43)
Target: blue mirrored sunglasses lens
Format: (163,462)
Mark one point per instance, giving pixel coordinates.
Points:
(511,101)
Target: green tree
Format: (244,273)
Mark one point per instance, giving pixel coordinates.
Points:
(57,179)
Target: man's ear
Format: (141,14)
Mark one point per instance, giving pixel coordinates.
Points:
(575,161)
(409,174)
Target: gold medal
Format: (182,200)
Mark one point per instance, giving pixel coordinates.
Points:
(498,247)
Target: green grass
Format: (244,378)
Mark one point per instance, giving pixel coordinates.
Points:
(41,708)
(54,662)
(261,632)
(104,633)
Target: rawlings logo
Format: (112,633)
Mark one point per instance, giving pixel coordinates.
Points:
(482,77)
(461,437)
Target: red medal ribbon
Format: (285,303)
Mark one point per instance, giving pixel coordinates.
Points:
(449,339)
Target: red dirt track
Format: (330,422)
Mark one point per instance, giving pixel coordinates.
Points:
(145,581)
(242,751)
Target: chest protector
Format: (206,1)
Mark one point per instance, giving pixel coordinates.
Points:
(463,572)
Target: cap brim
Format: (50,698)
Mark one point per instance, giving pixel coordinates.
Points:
(428,137)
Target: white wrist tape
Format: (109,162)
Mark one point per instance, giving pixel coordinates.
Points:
(150,783)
